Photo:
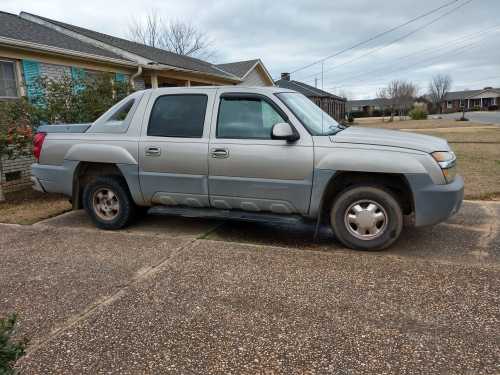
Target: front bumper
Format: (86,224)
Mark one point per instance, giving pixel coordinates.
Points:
(435,203)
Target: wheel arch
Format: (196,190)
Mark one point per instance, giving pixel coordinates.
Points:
(87,171)
(395,183)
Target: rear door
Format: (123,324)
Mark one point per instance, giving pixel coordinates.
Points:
(174,146)
(247,169)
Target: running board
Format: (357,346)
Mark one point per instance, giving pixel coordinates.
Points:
(214,213)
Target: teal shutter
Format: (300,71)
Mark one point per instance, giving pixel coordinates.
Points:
(31,70)
(120,77)
(78,74)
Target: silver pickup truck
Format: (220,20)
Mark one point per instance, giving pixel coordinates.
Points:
(247,154)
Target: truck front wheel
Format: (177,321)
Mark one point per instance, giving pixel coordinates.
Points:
(108,203)
(366,218)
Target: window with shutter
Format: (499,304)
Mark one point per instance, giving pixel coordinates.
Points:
(8,84)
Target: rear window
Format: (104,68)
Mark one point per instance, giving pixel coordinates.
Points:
(122,112)
(180,116)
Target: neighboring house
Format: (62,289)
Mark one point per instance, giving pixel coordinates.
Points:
(32,46)
(251,72)
(332,104)
(484,100)
(368,107)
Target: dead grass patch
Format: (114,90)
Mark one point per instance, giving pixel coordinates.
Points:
(29,206)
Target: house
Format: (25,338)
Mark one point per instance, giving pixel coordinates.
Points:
(368,108)
(250,72)
(32,46)
(332,104)
(483,100)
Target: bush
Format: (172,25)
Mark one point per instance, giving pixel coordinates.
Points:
(350,118)
(10,351)
(69,100)
(418,113)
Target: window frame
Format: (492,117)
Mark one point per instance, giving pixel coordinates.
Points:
(175,136)
(16,78)
(249,95)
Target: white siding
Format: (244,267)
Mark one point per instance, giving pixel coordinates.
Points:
(255,78)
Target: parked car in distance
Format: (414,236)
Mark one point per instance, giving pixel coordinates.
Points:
(249,154)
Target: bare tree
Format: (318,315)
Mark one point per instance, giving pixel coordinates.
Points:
(399,96)
(438,88)
(176,36)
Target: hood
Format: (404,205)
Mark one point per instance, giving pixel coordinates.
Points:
(391,138)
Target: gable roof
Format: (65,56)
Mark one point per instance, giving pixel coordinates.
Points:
(239,68)
(153,54)
(15,28)
(456,95)
(306,89)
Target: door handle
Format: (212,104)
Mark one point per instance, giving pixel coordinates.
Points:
(153,151)
(220,153)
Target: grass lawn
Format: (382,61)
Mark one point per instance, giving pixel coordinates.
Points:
(477,147)
(29,206)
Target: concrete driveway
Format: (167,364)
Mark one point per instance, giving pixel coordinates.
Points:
(198,297)
(484,117)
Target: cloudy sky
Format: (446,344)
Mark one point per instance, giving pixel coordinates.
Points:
(461,39)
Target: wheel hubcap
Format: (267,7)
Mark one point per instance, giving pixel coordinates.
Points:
(106,204)
(365,219)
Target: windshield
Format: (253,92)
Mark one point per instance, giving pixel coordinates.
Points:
(317,121)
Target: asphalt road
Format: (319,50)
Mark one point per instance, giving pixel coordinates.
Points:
(483,117)
(204,297)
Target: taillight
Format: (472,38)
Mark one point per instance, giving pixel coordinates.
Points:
(37,144)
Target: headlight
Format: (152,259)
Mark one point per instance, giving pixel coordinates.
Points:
(447,162)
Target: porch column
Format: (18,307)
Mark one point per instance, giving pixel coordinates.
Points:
(188,83)
(481,103)
(154,80)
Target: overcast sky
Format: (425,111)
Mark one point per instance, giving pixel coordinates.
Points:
(288,35)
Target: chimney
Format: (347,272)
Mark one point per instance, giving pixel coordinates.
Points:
(285,76)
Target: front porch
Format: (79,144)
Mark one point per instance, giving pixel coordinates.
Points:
(169,78)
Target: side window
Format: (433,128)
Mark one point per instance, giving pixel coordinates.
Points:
(122,112)
(178,116)
(247,118)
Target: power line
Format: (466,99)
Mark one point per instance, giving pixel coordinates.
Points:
(413,65)
(376,36)
(424,51)
(395,40)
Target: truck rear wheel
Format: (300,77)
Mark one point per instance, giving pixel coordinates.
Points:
(108,203)
(366,218)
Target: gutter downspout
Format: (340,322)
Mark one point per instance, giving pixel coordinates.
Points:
(135,75)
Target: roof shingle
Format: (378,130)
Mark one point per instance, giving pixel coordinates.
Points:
(306,89)
(151,53)
(239,68)
(15,27)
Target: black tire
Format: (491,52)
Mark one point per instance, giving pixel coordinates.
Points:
(126,210)
(386,227)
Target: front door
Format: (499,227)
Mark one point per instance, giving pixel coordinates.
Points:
(247,169)
(173,149)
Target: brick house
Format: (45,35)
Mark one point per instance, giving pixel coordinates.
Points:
(32,46)
(487,99)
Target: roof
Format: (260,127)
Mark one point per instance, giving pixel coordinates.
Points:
(305,89)
(456,95)
(368,102)
(14,27)
(151,53)
(239,68)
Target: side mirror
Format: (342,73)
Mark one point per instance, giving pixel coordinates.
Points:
(283,130)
